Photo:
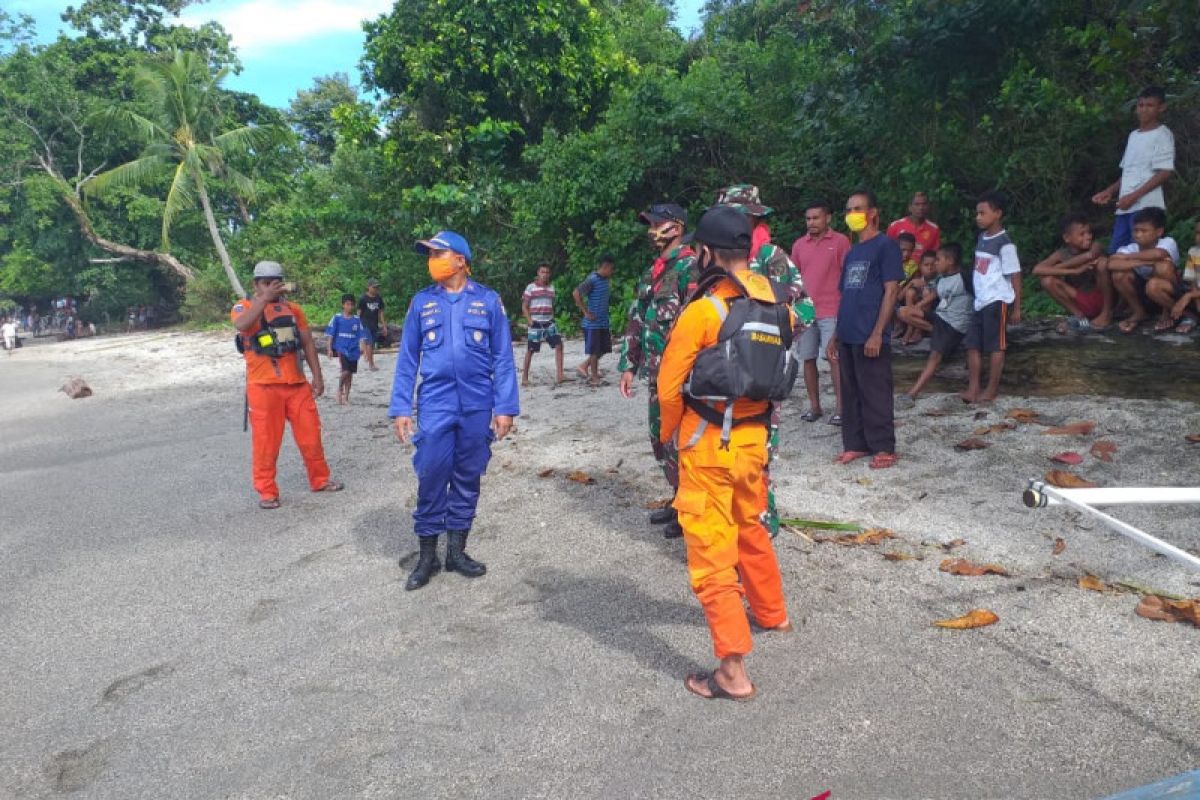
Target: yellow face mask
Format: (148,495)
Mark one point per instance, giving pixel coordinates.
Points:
(442,267)
(856,220)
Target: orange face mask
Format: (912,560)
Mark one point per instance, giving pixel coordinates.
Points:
(442,267)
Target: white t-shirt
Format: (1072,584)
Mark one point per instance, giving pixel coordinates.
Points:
(8,330)
(995,262)
(1145,153)
(1165,243)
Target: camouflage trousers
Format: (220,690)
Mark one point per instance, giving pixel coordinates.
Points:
(667,455)
(770,516)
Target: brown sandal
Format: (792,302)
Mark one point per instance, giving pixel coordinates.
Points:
(331,486)
(716,690)
(269,504)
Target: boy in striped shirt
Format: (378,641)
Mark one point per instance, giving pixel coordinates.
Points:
(537,303)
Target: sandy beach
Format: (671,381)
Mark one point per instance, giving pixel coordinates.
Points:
(165,638)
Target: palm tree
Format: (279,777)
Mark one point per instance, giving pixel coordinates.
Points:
(181,136)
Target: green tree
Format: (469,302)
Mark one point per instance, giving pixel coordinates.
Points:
(311,113)
(181,134)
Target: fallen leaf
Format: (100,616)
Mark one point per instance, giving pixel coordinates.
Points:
(1092,583)
(819,524)
(1067,480)
(657,504)
(863,481)
(1074,429)
(896,555)
(1059,545)
(960,566)
(581,477)
(1160,608)
(1068,457)
(935,412)
(1023,415)
(1193,437)
(972,444)
(953,543)
(1103,450)
(546,473)
(869,536)
(975,618)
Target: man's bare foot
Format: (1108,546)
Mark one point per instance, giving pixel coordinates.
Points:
(987,397)
(968,397)
(1102,321)
(525,383)
(581,372)
(715,686)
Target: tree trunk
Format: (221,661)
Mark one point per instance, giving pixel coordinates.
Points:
(165,260)
(216,237)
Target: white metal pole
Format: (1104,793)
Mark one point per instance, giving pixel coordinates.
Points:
(1128,496)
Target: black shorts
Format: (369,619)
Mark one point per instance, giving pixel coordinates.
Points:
(597,341)
(348,364)
(987,332)
(944,339)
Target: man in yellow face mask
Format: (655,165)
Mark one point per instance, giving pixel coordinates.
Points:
(860,348)
(456,337)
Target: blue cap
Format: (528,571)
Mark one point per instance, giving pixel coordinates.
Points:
(445,240)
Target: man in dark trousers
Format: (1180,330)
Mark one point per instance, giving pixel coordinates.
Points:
(860,348)
(370,311)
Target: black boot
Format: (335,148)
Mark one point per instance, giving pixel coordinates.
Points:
(662,516)
(427,566)
(457,559)
(673,530)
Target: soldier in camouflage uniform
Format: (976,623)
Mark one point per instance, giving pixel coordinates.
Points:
(662,292)
(767,258)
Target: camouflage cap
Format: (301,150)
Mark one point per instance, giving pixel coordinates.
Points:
(745,198)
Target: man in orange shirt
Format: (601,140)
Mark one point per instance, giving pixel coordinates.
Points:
(722,487)
(272,332)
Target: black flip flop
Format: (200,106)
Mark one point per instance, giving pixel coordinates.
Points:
(268,505)
(716,691)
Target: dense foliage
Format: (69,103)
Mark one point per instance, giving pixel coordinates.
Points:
(539,134)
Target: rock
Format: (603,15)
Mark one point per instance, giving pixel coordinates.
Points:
(76,388)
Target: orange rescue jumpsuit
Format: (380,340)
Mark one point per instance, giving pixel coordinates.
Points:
(722,492)
(277,392)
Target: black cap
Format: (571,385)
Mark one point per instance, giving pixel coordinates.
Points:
(724,228)
(664,212)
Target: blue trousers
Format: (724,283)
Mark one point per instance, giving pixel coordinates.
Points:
(453,450)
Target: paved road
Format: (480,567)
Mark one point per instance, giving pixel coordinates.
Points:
(162,638)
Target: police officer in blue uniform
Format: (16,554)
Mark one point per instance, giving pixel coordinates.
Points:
(456,337)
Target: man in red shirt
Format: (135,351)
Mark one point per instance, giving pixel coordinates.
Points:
(923,229)
(272,334)
(819,255)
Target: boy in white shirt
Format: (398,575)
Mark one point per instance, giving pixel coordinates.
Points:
(997,282)
(1147,164)
(1144,271)
(9,331)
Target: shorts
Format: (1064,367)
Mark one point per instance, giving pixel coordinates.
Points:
(369,335)
(945,338)
(348,364)
(543,332)
(987,332)
(814,341)
(1122,232)
(1090,303)
(597,341)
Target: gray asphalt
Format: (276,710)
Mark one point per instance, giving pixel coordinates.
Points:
(162,638)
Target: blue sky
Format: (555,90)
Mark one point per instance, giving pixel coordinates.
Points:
(284,44)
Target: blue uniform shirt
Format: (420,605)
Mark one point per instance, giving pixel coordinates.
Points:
(345,333)
(461,346)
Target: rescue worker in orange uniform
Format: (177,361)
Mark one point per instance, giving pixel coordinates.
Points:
(272,333)
(722,484)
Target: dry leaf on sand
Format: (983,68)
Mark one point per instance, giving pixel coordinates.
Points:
(1023,415)
(972,444)
(546,473)
(1067,480)
(953,543)
(1074,429)
(1074,459)
(1193,437)
(1103,450)
(896,555)
(656,504)
(1092,583)
(1060,545)
(975,618)
(869,536)
(935,412)
(1164,609)
(960,566)
(581,477)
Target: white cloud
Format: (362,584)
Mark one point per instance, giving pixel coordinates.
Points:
(258,25)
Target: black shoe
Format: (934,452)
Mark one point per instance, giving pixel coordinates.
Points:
(673,530)
(457,559)
(662,516)
(427,566)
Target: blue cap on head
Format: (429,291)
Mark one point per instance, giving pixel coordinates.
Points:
(445,240)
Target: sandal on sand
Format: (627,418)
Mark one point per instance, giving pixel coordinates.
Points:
(1186,325)
(836,419)
(850,455)
(716,691)
(811,416)
(331,486)
(884,461)
(269,504)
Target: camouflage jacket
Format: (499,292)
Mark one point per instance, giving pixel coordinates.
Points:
(774,263)
(654,311)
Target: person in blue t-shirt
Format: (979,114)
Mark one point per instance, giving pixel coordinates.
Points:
(344,332)
(592,298)
(871,276)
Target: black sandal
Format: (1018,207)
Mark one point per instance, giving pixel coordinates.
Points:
(269,504)
(811,416)
(331,486)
